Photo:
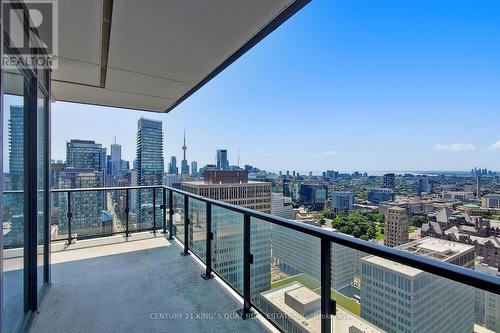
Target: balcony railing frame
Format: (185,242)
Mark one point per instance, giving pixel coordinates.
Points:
(456,273)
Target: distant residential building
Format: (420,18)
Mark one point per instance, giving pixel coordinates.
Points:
(342,201)
(490,201)
(85,154)
(281,206)
(172,166)
(149,165)
(389,180)
(222,161)
(399,298)
(396,227)
(378,195)
(194,168)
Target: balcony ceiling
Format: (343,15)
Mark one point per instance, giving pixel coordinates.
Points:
(156,53)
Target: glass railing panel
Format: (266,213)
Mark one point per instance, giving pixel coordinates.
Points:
(286,276)
(227,246)
(58,216)
(158,210)
(178,216)
(379,295)
(141,203)
(116,204)
(89,216)
(198,227)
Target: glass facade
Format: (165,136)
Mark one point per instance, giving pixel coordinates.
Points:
(25,115)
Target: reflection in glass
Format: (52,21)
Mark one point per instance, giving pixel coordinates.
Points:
(13,202)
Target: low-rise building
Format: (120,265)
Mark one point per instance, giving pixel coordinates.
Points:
(378,195)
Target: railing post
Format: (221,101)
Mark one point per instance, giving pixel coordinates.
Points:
(170,214)
(127,210)
(69,215)
(246,312)
(209,236)
(185,252)
(154,210)
(327,304)
(164,209)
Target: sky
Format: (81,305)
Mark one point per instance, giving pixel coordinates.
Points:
(344,85)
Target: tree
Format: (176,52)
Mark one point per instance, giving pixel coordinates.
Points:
(417,221)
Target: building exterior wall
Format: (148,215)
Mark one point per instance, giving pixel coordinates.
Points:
(396,227)
(398,298)
(342,201)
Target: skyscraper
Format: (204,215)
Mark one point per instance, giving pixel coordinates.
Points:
(149,165)
(222,162)
(184,163)
(172,166)
(194,168)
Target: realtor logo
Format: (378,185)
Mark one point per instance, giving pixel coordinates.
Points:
(30,33)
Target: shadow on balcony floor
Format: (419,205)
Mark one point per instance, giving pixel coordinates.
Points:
(137,286)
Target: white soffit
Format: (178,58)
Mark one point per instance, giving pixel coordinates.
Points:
(160,51)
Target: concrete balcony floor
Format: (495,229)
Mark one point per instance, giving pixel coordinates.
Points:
(141,285)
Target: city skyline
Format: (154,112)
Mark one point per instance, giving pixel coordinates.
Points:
(366,86)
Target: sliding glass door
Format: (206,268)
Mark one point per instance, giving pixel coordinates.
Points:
(16,101)
(25,141)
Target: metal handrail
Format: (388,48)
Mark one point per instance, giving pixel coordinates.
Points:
(449,271)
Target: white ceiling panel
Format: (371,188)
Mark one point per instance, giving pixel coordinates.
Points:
(79,41)
(97,96)
(160,51)
(145,84)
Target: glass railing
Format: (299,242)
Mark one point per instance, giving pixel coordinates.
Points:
(302,278)
(97,212)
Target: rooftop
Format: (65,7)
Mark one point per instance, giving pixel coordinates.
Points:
(435,248)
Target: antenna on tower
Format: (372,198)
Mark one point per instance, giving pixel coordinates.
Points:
(115,139)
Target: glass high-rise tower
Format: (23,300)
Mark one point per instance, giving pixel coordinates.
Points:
(222,161)
(149,165)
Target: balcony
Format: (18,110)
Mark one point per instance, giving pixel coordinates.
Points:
(194,264)
(137,285)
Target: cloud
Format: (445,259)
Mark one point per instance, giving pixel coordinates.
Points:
(325,154)
(455,147)
(495,146)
